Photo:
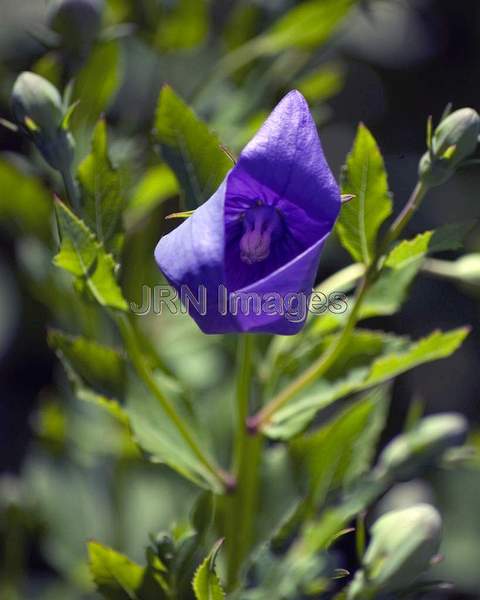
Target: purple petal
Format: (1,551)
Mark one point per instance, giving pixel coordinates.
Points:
(283,166)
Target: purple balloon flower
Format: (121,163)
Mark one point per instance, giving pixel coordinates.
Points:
(250,254)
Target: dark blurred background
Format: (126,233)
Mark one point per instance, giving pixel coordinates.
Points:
(400,62)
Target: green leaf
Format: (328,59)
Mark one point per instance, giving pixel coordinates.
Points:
(322,83)
(154,432)
(437,345)
(157,185)
(24,201)
(111,406)
(102,197)
(99,367)
(401,266)
(189,148)
(342,450)
(206,583)
(307,25)
(115,575)
(181,25)
(335,455)
(78,249)
(363,176)
(294,417)
(97,82)
(83,256)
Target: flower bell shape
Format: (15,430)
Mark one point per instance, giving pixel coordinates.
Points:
(254,247)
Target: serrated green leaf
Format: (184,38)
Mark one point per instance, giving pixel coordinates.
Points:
(78,249)
(403,263)
(409,250)
(115,575)
(437,345)
(190,149)
(154,432)
(96,83)
(83,256)
(342,450)
(24,201)
(100,367)
(103,284)
(102,198)
(206,583)
(294,417)
(365,177)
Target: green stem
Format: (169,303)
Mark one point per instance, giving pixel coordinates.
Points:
(70,190)
(242,505)
(397,227)
(316,370)
(328,359)
(133,348)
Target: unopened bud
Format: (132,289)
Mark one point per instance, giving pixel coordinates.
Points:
(77,22)
(406,454)
(39,111)
(467,269)
(454,140)
(403,545)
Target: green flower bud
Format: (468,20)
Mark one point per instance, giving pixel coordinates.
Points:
(467,269)
(411,451)
(454,140)
(39,111)
(77,22)
(402,547)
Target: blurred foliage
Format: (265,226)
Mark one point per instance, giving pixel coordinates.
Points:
(106,465)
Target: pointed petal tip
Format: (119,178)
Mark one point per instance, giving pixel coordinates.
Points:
(294,98)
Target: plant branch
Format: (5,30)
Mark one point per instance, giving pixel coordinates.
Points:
(241,506)
(70,190)
(133,348)
(328,359)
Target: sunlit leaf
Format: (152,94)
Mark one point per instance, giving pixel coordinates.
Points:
(190,148)
(307,25)
(157,185)
(206,583)
(294,417)
(115,575)
(100,367)
(83,256)
(97,82)
(365,177)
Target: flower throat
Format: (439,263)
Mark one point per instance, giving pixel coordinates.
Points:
(262,224)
